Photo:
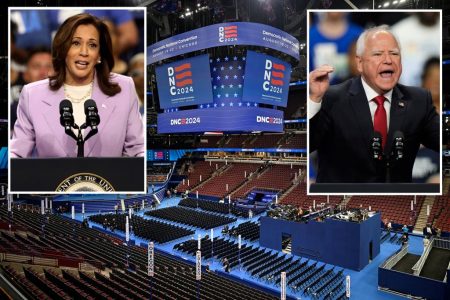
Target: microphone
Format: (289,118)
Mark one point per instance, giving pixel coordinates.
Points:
(375,144)
(92,117)
(66,114)
(398,144)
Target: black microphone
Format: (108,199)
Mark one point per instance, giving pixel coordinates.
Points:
(376,145)
(92,117)
(66,114)
(398,144)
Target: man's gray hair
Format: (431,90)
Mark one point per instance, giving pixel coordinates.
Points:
(361,42)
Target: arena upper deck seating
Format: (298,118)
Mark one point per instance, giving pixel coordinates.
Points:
(209,141)
(235,140)
(276,177)
(174,279)
(397,209)
(297,196)
(200,168)
(295,141)
(440,213)
(233,176)
(264,141)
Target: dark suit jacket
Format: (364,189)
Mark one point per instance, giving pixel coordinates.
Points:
(343,129)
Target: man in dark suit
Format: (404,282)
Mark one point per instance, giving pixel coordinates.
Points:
(345,117)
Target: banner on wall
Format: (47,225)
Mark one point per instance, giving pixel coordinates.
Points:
(266,79)
(183,83)
(224,34)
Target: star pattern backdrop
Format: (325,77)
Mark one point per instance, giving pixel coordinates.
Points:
(227,78)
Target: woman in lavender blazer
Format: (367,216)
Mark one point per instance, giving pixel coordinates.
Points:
(82,60)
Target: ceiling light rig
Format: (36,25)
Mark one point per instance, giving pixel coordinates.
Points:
(189,13)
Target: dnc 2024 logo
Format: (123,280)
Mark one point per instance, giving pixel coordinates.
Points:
(184,121)
(273,77)
(180,79)
(269,120)
(228,33)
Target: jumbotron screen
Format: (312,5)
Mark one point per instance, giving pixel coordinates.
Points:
(183,83)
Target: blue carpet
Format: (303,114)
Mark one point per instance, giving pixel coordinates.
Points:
(364,284)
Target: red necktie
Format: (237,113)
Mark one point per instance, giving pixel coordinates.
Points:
(380,119)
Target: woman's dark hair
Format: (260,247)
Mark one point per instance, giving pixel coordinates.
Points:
(62,43)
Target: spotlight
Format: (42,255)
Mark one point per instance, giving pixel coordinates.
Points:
(394,2)
(198,4)
(386,4)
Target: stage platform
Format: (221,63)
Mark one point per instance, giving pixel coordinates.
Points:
(353,244)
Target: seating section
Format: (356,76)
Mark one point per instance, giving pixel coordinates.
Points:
(295,141)
(305,276)
(29,245)
(209,141)
(152,230)
(214,206)
(297,196)
(31,290)
(264,141)
(439,215)
(289,141)
(191,217)
(107,205)
(40,281)
(174,279)
(248,231)
(157,173)
(233,176)
(397,209)
(200,168)
(276,177)
(235,141)
(151,179)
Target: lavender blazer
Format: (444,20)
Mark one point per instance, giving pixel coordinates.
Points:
(38,132)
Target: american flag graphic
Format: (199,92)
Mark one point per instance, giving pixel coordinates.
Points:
(277,77)
(227,77)
(230,31)
(183,75)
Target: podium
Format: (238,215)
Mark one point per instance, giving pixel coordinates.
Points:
(74,175)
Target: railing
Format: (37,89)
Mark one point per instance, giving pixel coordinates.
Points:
(28,259)
(442,243)
(45,261)
(448,267)
(87,267)
(394,259)
(417,268)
